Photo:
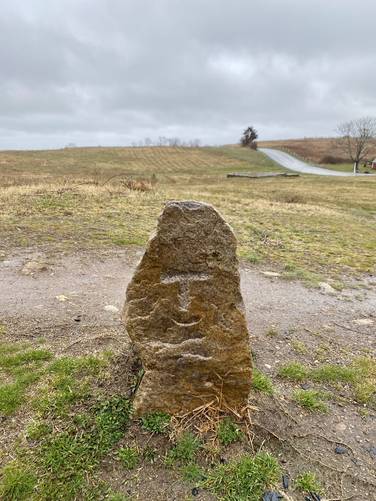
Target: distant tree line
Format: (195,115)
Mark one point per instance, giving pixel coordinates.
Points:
(171,142)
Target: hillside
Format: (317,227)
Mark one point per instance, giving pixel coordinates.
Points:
(317,150)
(100,197)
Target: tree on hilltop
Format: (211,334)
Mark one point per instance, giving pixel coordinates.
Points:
(249,137)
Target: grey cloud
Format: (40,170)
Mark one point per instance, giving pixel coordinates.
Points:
(115,71)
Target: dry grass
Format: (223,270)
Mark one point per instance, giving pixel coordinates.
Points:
(324,151)
(95,197)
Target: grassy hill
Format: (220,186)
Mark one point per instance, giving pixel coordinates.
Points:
(323,151)
(95,197)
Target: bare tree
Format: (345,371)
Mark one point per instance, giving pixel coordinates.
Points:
(356,138)
(174,142)
(162,141)
(249,138)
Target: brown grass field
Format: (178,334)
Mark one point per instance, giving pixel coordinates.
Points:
(93,197)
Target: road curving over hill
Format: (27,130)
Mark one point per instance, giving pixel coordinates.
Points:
(292,163)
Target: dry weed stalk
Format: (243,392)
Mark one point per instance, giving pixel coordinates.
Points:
(130,183)
(137,184)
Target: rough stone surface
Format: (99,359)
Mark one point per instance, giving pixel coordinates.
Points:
(271,274)
(364,321)
(185,316)
(32,267)
(326,288)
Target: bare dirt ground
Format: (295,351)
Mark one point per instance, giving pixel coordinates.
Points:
(74,304)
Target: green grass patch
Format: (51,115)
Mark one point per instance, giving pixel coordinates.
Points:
(299,347)
(25,368)
(261,382)
(295,371)
(313,400)
(129,457)
(11,397)
(37,430)
(69,383)
(244,479)
(73,365)
(184,450)
(57,398)
(64,453)
(360,375)
(64,461)
(307,482)
(333,374)
(15,360)
(17,483)
(9,348)
(365,383)
(228,432)
(156,422)
(192,473)
(250,256)
(66,380)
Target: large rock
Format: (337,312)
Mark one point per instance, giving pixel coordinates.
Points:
(185,315)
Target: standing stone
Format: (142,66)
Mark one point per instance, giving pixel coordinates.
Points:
(185,315)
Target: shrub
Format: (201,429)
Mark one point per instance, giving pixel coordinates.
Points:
(331,159)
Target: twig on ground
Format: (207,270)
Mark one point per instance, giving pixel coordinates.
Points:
(336,442)
(91,339)
(347,328)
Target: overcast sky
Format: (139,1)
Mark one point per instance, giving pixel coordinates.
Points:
(111,72)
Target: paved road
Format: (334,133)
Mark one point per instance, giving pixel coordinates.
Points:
(292,163)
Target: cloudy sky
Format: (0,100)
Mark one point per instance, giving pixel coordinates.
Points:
(112,72)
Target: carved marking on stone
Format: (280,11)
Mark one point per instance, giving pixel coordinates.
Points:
(184,280)
(187,324)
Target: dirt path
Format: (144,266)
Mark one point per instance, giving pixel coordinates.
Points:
(74,304)
(57,290)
